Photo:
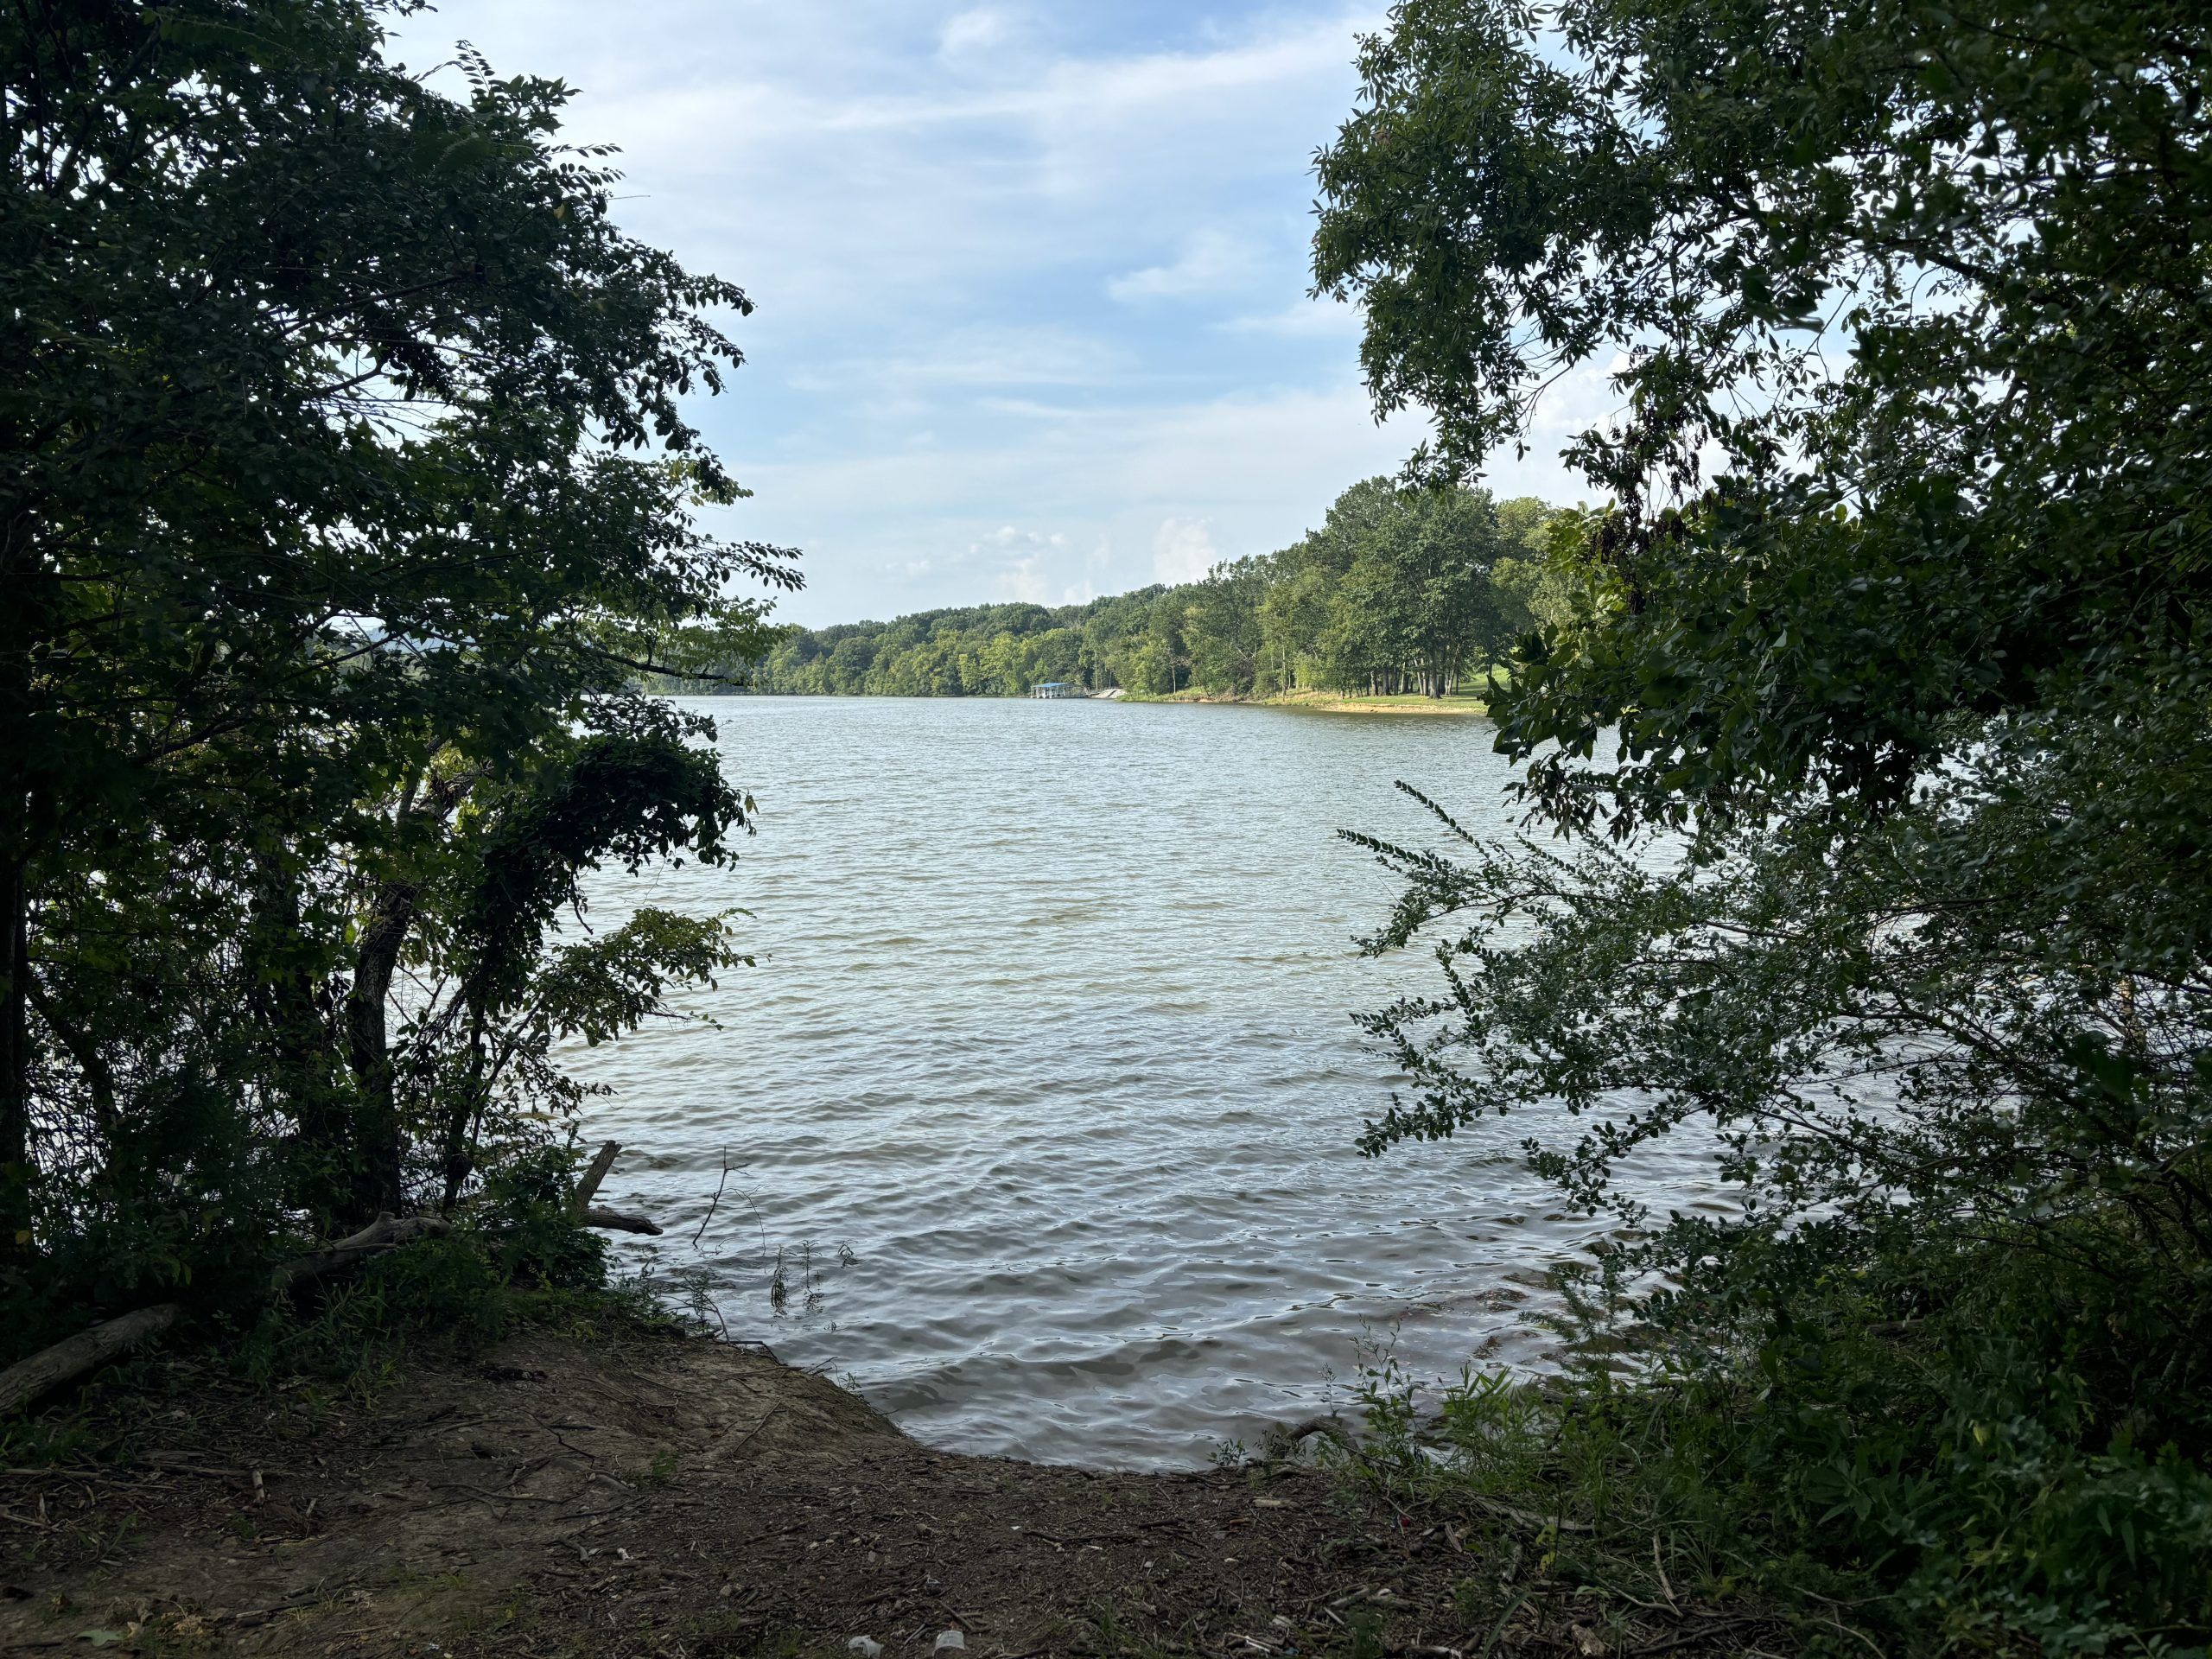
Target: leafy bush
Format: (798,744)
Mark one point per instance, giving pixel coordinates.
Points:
(1873,743)
(1951,1359)
(1959,1485)
(519,1260)
(300,793)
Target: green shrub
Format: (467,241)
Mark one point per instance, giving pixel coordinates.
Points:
(2024,1462)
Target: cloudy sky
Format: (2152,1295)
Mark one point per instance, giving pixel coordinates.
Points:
(1031,278)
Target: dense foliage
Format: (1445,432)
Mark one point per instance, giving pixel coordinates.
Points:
(1878,738)
(1401,590)
(347,491)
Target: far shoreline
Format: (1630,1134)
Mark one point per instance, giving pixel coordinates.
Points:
(1329,702)
(1318,702)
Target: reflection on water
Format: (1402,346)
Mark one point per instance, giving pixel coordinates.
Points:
(1040,1103)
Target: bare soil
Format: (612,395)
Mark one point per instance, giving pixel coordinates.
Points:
(685,1498)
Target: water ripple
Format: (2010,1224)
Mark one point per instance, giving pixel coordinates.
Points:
(1043,1087)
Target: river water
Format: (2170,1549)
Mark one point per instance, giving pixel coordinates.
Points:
(1040,1104)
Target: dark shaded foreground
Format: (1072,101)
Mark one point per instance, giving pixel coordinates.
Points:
(688,1498)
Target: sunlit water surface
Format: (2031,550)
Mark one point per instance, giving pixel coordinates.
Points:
(1044,1088)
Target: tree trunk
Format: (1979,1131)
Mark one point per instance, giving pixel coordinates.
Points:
(588,1214)
(617,1221)
(14,1056)
(292,999)
(474,1094)
(594,1173)
(376,1118)
(99,1079)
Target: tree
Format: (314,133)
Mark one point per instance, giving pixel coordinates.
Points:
(1222,624)
(1410,594)
(1597,207)
(1162,654)
(1539,577)
(1894,617)
(349,492)
(1443,561)
(1293,615)
(850,661)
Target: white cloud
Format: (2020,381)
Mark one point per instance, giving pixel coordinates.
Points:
(1583,398)
(1006,538)
(1323,319)
(930,204)
(1029,408)
(1182,550)
(834,173)
(976,355)
(967,32)
(1193,83)
(1211,262)
(1254,471)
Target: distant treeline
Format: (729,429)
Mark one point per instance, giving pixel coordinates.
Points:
(1401,590)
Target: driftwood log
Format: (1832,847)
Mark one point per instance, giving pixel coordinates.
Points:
(386,1232)
(594,1173)
(615,1221)
(49,1367)
(588,1214)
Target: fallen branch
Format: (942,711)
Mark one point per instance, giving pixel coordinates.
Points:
(614,1221)
(1328,1427)
(588,1214)
(594,1173)
(49,1367)
(384,1233)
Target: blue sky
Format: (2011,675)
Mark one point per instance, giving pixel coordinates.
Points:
(1031,279)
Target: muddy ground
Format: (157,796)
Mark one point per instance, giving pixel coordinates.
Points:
(688,1498)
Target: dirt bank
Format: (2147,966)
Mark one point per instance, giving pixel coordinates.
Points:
(685,1498)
